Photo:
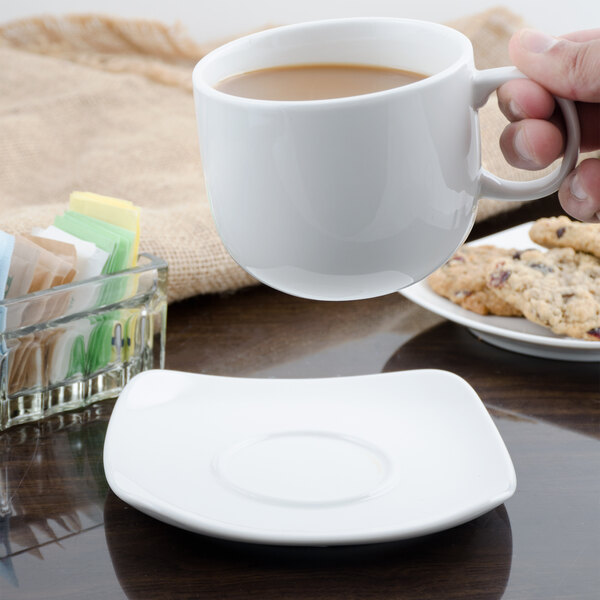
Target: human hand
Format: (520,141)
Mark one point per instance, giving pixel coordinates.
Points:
(567,66)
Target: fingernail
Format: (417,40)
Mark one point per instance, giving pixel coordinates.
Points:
(576,190)
(536,41)
(522,147)
(515,110)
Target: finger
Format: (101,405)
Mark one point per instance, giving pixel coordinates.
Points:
(582,36)
(579,193)
(531,144)
(565,68)
(524,99)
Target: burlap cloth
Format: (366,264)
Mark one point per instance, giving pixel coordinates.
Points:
(105,105)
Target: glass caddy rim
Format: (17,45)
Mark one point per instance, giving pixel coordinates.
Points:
(154,263)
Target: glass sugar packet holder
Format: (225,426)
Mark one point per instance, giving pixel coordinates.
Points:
(75,344)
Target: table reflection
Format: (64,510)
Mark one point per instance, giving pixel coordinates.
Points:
(52,483)
(467,560)
(511,385)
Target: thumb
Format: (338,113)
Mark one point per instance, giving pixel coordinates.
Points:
(566,68)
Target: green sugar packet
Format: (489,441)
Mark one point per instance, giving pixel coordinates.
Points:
(117,241)
(100,343)
(119,244)
(77,358)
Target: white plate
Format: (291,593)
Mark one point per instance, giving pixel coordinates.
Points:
(511,333)
(307,461)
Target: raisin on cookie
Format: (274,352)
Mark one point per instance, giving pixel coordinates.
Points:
(561,232)
(559,289)
(463,280)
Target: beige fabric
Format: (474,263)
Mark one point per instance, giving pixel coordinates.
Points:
(105,105)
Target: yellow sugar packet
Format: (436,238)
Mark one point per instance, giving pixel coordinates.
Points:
(104,199)
(121,213)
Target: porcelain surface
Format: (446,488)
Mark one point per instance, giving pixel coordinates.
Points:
(307,461)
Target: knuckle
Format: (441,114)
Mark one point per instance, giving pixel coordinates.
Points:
(583,72)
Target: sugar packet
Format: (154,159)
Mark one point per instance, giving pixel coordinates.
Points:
(33,268)
(90,259)
(22,268)
(121,213)
(117,241)
(65,252)
(7,243)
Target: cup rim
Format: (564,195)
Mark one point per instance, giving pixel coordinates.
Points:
(200,85)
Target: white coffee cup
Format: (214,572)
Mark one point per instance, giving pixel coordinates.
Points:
(353,197)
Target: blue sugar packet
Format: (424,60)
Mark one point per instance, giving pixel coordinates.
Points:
(7,243)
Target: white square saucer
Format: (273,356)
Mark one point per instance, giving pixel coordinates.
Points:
(343,460)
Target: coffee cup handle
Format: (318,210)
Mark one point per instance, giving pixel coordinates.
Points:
(492,186)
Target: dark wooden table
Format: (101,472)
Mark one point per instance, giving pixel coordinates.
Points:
(64,535)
